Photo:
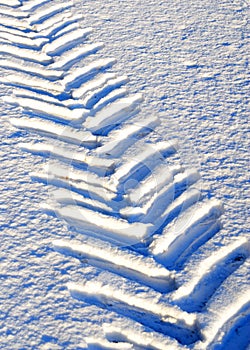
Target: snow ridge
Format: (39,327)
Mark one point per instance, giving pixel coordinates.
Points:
(142,217)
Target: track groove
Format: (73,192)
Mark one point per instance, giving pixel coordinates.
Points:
(115,197)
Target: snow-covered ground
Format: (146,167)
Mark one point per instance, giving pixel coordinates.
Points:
(68,281)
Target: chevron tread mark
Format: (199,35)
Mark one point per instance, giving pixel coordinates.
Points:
(142,218)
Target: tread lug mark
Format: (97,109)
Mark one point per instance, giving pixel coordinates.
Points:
(154,208)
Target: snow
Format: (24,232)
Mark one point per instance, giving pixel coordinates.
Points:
(26,54)
(35,69)
(67,59)
(178,235)
(144,270)
(48,109)
(189,61)
(59,131)
(43,14)
(32,82)
(120,139)
(85,73)
(66,41)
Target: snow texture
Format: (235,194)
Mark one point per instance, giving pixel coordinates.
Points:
(113,101)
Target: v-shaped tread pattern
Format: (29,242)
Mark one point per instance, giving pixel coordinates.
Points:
(145,217)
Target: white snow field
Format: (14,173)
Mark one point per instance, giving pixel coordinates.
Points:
(124,189)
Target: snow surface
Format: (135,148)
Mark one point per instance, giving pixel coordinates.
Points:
(190,61)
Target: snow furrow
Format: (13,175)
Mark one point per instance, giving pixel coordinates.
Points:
(54,24)
(21,33)
(103,226)
(66,41)
(113,114)
(92,85)
(25,93)
(66,197)
(15,23)
(76,176)
(159,200)
(121,139)
(192,296)
(71,156)
(70,27)
(91,98)
(56,130)
(48,12)
(31,6)
(227,323)
(139,337)
(67,59)
(80,187)
(47,109)
(103,344)
(178,235)
(128,264)
(28,55)
(21,41)
(158,177)
(142,163)
(36,70)
(28,81)
(10,3)
(13,12)
(82,74)
(111,97)
(162,318)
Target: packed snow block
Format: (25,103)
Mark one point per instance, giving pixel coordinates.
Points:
(162,318)
(79,187)
(111,97)
(82,74)
(56,131)
(66,197)
(141,164)
(33,83)
(26,93)
(113,114)
(73,156)
(127,263)
(51,27)
(90,98)
(15,23)
(116,143)
(58,170)
(179,205)
(66,41)
(28,55)
(139,336)
(160,176)
(155,208)
(19,33)
(182,232)
(93,85)
(46,12)
(34,69)
(10,3)
(68,58)
(12,12)
(234,331)
(21,41)
(228,325)
(104,226)
(103,344)
(31,6)
(49,110)
(193,295)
